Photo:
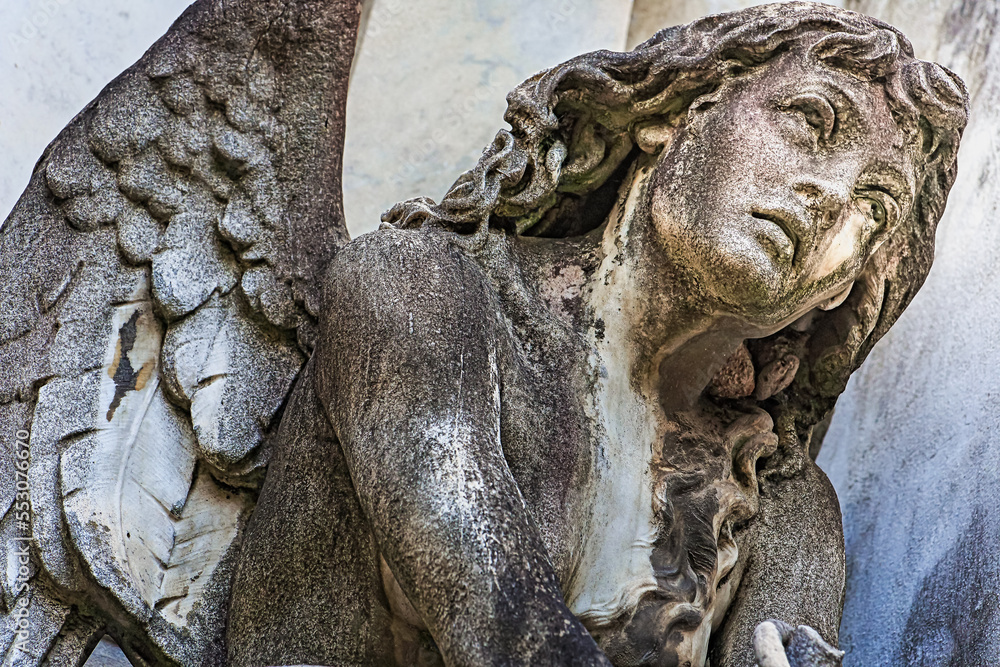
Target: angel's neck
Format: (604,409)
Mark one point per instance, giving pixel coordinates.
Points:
(662,336)
(668,338)
(620,288)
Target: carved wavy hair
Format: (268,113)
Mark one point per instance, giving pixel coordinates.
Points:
(574,127)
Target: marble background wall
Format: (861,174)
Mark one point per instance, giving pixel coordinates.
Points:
(430,80)
(55,56)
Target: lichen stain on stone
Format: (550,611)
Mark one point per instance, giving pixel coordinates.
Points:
(125,377)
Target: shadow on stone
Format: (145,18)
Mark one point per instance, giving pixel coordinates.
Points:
(954,620)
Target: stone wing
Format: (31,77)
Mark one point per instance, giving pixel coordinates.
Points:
(159,291)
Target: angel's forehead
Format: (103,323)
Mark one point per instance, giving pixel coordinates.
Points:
(864,116)
(799,69)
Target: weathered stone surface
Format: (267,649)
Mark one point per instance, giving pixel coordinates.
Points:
(518,440)
(242,380)
(311,551)
(805,506)
(115,244)
(777,643)
(576,326)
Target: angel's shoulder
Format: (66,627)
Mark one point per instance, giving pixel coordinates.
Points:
(399,274)
(389,252)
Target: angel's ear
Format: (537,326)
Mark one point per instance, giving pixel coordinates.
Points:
(837,299)
(653,136)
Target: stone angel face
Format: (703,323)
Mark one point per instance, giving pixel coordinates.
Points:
(564,416)
(781,186)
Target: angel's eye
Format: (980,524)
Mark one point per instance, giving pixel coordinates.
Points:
(877,212)
(879,207)
(816,111)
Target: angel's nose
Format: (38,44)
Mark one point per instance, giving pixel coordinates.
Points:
(824,194)
(825,198)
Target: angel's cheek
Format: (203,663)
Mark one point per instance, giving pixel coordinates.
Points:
(837,264)
(841,256)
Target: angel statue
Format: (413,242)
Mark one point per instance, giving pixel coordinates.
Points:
(567,416)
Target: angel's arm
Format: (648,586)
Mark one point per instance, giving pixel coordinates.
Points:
(408,372)
(793,566)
